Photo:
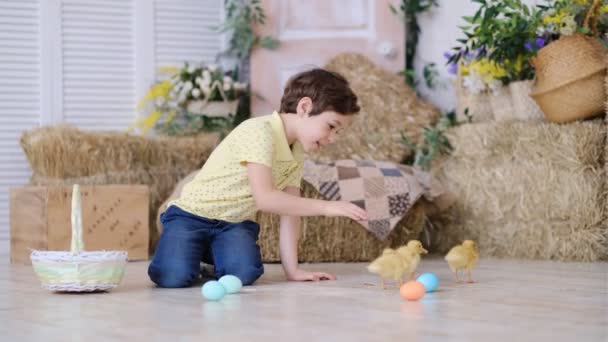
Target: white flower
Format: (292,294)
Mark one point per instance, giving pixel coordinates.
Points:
(188,85)
(226,86)
(240,86)
(160,101)
(227,79)
(172,104)
(473,83)
(198,80)
(191,68)
(212,67)
(551,12)
(540,31)
(568,26)
(206,75)
(196,93)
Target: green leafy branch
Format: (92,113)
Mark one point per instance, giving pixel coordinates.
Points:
(241,17)
(434,143)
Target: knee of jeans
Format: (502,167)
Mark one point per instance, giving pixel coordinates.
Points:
(247,274)
(171,277)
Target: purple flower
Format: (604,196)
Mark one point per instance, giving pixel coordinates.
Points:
(453,68)
(539,42)
(528,46)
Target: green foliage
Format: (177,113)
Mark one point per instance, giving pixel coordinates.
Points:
(241,16)
(409,11)
(434,143)
(192,124)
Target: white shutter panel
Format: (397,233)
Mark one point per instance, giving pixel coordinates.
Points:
(19,93)
(184,31)
(98,63)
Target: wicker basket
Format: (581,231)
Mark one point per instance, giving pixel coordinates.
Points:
(570,78)
(214,108)
(77,270)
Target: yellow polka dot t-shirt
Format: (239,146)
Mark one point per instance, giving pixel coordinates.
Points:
(221,189)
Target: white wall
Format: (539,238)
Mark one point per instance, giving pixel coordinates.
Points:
(439,31)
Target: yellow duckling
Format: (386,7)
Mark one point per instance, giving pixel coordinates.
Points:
(396,263)
(463,257)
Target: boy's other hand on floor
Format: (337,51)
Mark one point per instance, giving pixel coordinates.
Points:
(302,275)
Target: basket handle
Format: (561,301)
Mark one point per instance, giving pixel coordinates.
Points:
(77,243)
(216,85)
(592,14)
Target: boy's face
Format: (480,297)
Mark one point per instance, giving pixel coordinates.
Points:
(318,131)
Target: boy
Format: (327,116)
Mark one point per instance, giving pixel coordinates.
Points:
(258,166)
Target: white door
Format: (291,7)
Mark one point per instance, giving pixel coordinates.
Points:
(312,32)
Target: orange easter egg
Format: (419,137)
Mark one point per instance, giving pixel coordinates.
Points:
(412,290)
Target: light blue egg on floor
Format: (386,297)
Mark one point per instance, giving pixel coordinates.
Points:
(429,280)
(232,283)
(213,290)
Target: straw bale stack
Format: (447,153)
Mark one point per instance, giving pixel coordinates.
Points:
(64,155)
(527,190)
(66,152)
(388,108)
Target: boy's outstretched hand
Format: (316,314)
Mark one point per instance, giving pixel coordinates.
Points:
(343,208)
(301,275)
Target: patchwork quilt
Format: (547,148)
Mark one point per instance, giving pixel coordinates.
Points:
(386,190)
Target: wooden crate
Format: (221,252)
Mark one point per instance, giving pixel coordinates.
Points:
(114,217)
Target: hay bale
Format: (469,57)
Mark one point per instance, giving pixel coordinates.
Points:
(526,190)
(388,108)
(64,155)
(326,239)
(67,152)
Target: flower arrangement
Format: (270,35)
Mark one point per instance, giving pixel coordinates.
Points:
(567,17)
(495,51)
(503,36)
(187,92)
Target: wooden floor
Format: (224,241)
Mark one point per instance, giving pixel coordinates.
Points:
(512,301)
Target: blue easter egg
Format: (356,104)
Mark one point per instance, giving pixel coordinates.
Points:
(213,290)
(232,283)
(429,280)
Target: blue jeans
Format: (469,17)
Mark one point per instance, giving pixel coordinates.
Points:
(188,239)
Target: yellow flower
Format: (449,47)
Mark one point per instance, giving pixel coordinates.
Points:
(158,90)
(148,122)
(605,8)
(168,70)
(488,70)
(555,19)
(463,70)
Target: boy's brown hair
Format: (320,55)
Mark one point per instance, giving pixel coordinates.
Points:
(328,91)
